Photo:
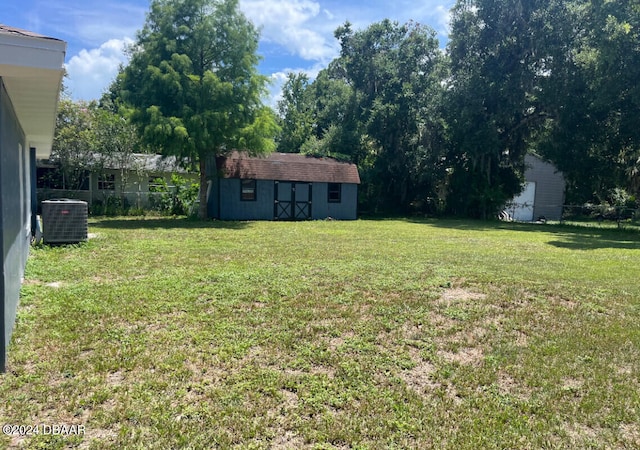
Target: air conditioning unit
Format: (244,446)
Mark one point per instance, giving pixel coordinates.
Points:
(64,221)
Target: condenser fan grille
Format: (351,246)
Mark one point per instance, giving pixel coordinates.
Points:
(64,221)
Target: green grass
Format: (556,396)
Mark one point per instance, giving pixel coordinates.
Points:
(366,334)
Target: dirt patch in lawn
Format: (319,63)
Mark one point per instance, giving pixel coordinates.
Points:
(420,377)
(458,294)
(465,356)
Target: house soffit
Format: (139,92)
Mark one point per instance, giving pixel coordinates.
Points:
(31,67)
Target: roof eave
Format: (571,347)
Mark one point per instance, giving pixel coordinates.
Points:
(32,68)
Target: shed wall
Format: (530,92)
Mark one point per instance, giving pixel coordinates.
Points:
(233,208)
(224,201)
(550,187)
(347,209)
(15,215)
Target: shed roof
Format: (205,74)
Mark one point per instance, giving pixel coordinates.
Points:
(288,167)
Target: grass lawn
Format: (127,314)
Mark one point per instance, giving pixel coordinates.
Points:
(172,334)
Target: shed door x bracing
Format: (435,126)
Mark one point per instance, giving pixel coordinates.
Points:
(292,200)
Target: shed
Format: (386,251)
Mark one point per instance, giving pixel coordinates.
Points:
(31,70)
(282,186)
(543,194)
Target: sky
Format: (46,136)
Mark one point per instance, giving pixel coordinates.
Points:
(296,35)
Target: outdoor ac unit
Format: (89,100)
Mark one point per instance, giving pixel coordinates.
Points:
(64,221)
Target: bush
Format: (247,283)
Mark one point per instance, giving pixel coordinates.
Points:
(178,199)
(619,206)
(111,206)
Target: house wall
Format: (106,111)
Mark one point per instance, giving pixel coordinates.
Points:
(136,188)
(15,215)
(550,188)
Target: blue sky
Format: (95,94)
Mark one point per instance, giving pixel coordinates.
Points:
(296,35)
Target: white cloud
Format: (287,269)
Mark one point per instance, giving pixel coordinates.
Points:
(91,71)
(300,26)
(443,17)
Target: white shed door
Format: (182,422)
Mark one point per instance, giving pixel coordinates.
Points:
(522,206)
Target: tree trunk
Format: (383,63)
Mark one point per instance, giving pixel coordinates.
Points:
(202,211)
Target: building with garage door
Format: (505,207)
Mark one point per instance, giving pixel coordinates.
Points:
(282,186)
(543,194)
(31,70)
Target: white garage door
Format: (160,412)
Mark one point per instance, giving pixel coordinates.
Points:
(521,207)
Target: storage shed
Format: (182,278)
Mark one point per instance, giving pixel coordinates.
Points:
(31,69)
(543,193)
(282,186)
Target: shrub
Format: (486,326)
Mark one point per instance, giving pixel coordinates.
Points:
(178,198)
(110,206)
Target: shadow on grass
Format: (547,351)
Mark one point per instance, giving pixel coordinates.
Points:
(571,236)
(154,223)
(579,241)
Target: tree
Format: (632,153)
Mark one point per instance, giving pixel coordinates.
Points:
(593,99)
(395,73)
(116,142)
(193,85)
(336,132)
(74,142)
(498,59)
(295,113)
(89,137)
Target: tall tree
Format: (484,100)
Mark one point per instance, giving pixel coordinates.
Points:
(295,113)
(193,84)
(395,72)
(336,131)
(593,98)
(497,61)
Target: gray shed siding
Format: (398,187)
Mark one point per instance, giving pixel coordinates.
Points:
(347,209)
(233,208)
(15,215)
(224,201)
(550,188)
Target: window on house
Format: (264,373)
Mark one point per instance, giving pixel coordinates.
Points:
(107,182)
(335,193)
(248,190)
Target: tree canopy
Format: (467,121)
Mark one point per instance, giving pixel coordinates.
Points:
(451,128)
(429,128)
(192,83)
(373,105)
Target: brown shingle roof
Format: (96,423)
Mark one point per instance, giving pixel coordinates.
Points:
(288,167)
